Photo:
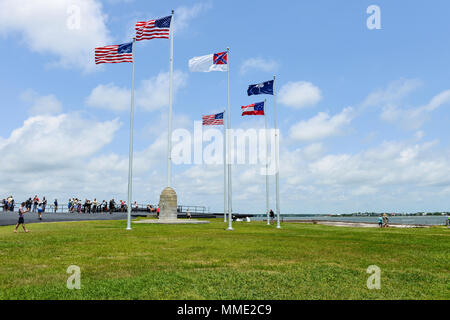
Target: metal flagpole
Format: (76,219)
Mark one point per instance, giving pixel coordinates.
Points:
(230,206)
(277,168)
(130,157)
(267,164)
(224,171)
(169,138)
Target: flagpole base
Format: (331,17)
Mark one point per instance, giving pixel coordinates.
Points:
(230,229)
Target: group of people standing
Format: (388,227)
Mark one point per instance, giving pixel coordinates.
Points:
(94,206)
(36,206)
(383,221)
(8,204)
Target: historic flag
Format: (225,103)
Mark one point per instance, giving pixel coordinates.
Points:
(114,54)
(261,88)
(255,109)
(210,62)
(213,120)
(153,29)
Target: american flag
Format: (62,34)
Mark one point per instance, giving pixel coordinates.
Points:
(114,54)
(159,28)
(213,120)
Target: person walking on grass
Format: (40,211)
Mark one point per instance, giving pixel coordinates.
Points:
(22,211)
(385,221)
(272,216)
(188,214)
(380,221)
(55,203)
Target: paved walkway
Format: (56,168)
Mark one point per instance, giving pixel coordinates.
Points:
(10,218)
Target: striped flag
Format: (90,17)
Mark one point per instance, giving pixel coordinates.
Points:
(213,120)
(255,109)
(153,29)
(114,54)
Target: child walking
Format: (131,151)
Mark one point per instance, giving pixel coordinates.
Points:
(22,211)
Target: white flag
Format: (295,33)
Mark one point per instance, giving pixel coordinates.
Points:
(208,63)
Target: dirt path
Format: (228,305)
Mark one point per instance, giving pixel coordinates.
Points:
(356,224)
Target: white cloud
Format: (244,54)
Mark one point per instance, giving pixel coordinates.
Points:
(393,94)
(313,150)
(110,97)
(390,164)
(259,64)
(51,27)
(364,191)
(151,94)
(322,126)
(42,105)
(390,101)
(56,138)
(414,118)
(299,94)
(184,15)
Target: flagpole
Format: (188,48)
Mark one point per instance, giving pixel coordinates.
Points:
(130,157)
(267,164)
(230,206)
(169,138)
(224,172)
(277,168)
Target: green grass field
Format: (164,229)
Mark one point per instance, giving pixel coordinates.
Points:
(301,261)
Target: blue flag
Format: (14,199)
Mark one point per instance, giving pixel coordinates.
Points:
(261,88)
(125,48)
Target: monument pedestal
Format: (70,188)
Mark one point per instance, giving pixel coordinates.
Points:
(168,214)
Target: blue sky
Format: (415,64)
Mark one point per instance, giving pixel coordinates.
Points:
(363,113)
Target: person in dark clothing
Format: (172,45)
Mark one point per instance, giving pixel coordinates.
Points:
(28,204)
(44,204)
(112,206)
(271,215)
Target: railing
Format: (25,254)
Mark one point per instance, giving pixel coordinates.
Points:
(50,208)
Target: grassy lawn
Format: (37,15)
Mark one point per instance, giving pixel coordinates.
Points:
(255,261)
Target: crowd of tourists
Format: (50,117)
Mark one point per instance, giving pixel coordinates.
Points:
(95,206)
(8,204)
(32,204)
(74,205)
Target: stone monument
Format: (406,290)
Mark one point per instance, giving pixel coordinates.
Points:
(168,210)
(168,205)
